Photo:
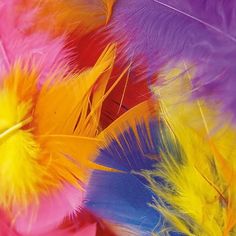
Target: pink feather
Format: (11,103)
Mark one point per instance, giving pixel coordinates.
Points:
(46,54)
(50,212)
(18,43)
(89,230)
(5,226)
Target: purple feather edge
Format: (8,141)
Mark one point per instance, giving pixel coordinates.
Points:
(202,32)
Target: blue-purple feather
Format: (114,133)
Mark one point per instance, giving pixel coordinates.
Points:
(124,197)
(201,32)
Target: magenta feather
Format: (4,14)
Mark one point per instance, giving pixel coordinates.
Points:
(17,43)
(50,212)
(5,225)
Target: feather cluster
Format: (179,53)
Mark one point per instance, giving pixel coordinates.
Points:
(117,118)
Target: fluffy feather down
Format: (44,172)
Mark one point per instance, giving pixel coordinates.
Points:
(36,48)
(193,181)
(56,142)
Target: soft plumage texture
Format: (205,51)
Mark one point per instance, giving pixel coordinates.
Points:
(202,33)
(66,16)
(36,48)
(83,223)
(131,147)
(26,35)
(123,230)
(56,137)
(69,104)
(50,211)
(130,91)
(15,108)
(194,181)
(108,4)
(5,225)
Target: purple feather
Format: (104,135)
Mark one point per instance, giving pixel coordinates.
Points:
(201,32)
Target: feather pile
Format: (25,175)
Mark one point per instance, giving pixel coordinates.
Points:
(117,118)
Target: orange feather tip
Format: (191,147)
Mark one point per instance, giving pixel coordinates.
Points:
(56,137)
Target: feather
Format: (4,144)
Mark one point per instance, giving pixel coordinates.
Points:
(85,51)
(5,226)
(71,230)
(56,143)
(50,212)
(16,43)
(201,33)
(67,16)
(132,90)
(123,230)
(194,190)
(131,147)
(108,6)
(83,223)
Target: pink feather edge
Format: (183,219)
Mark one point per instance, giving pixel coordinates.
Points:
(17,44)
(45,54)
(50,212)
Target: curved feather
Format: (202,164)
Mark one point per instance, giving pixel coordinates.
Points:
(56,142)
(65,16)
(80,224)
(201,33)
(50,211)
(132,89)
(193,180)
(17,43)
(132,146)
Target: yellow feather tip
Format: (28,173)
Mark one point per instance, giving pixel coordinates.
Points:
(45,139)
(199,178)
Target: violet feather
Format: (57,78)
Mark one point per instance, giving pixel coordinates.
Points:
(202,33)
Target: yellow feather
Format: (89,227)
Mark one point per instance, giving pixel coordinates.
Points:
(18,152)
(199,170)
(48,136)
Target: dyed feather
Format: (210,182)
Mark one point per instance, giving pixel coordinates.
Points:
(131,147)
(201,33)
(82,224)
(68,16)
(55,143)
(5,225)
(108,7)
(132,90)
(17,43)
(192,184)
(50,211)
(129,92)
(91,138)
